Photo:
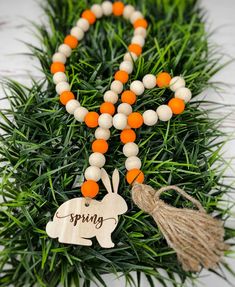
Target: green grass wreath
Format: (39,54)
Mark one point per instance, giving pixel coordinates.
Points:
(44,151)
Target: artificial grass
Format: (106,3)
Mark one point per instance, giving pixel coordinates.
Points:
(44,151)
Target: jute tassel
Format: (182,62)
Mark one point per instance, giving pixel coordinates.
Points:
(196,236)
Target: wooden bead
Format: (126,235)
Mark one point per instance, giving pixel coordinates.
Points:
(126,66)
(149,81)
(62,87)
(80,113)
(121,76)
(128,97)
(107,8)
(89,16)
(59,57)
(184,94)
(164,113)
(77,32)
(91,119)
(57,67)
(116,87)
(177,106)
(135,175)
(150,117)
(93,173)
(120,121)
(66,96)
(100,146)
(132,163)
(135,16)
(71,41)
(163,80)
(90,189)
(125,109)
(83,24)
(130,149)
(65,49)
(97,10)
(118,8)
(137,87)
(59,77)
(111,97)
(140,31)
(140,23)
(127,136)
(101,133)
(97,159)
(127,12)
(177,83)
(107,108)
(105,121)
(130,56)
(71,106)
(135,48)
(135,120)
(139,40)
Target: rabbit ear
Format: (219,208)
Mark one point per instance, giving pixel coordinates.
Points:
(115,179)
(106,180)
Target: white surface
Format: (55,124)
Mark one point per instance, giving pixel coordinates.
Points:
(220,16)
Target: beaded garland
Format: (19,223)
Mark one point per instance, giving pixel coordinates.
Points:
(125,119)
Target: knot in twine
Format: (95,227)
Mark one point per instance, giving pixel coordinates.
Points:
(196,236)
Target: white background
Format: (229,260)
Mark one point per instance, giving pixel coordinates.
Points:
(220,19)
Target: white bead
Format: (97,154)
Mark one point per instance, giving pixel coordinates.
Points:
(150,117)
(105,121)
(111,97)
(137,87)
(102,134)
(83,24)
(164,113)
(93,173)
(62,87)
(135,16)
(149,81)
(65,49)
(139,40)
(127,12)
(59,77)
(176,83)
(183,94)
(125,109)
(132,162)
(116,87)
(71,106)
(126,66)
(130,149)
(97,159)
(80,113)
(140,31)
(107,8)
(130,56)
(59,57)
(97,10)
(120,121)
(77,32)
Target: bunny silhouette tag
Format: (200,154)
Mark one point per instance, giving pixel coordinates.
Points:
(75,221)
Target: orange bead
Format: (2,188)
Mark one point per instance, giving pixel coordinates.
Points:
(141,23)
(90,189)
(100,146)
(91,119)
(107,108)
(163,80)
(135,120)
(177,106)
(89,16)
(135,48)
(135,175)
(71,41)
(121,76)
(127,136)
(128,97)
(118,8)
(66,96)
(57,67)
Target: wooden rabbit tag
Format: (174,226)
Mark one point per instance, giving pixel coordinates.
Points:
(75,222)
